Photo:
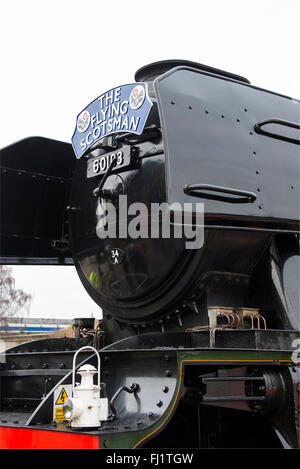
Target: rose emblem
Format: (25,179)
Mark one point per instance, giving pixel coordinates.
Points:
(137,97)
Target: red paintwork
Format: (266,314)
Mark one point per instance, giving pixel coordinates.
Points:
(27,438)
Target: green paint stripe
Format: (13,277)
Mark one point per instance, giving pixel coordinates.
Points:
(236,356)
(135,439)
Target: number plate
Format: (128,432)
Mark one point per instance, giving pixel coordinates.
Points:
(99,165)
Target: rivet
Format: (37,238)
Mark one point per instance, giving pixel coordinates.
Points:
(106,443)
(165,389)
(159,403)
(150,414)
(168,373)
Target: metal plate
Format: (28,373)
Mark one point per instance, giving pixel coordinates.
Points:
(99,165)
(122,109)
(208,126)
(34,175)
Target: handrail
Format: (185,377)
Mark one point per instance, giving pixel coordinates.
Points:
(191,189)
(74,363)
(259,130)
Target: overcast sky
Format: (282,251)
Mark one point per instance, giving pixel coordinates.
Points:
(58,56)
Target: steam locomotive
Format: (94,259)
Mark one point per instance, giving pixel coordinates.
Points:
(199,347)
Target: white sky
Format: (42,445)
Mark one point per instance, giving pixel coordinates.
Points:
(60,55)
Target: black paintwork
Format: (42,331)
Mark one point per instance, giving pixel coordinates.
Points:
(247,182)
(35,178)
(151,71)
(210,137)
(215,144)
